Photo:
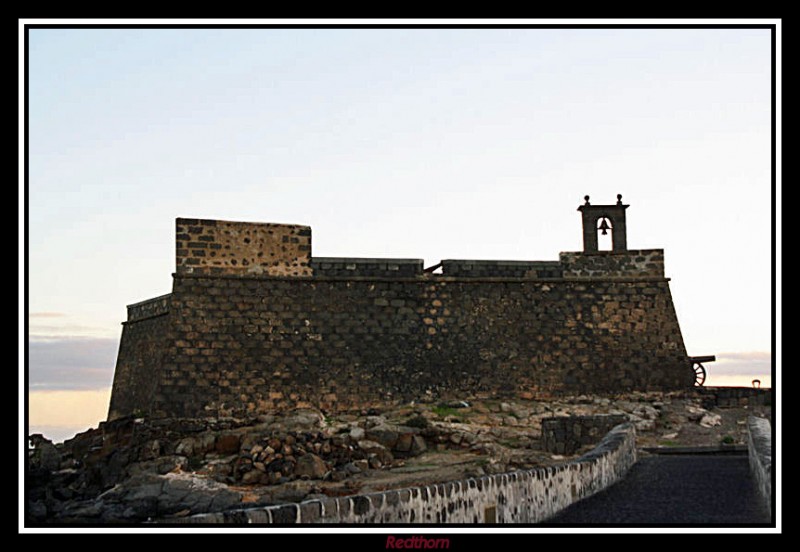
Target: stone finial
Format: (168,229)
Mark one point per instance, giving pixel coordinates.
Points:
(587,199)
(619,199)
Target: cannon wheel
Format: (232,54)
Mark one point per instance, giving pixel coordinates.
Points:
(699,374)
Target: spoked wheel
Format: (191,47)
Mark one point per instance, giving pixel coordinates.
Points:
(699,375)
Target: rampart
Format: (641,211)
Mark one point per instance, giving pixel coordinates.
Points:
(255,323)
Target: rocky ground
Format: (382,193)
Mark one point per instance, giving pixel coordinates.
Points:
(134,470)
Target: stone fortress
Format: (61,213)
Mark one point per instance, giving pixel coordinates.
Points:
(256,324)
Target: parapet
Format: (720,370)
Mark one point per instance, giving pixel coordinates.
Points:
(366,267)
(149,308)
(631,263)
(217,247)
(502,269)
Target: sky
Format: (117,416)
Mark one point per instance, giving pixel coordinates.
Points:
(416,143)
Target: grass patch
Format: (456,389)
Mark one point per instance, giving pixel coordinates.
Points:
(728,440)
(669,444)
(445,411)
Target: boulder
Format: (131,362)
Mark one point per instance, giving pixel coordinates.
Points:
(410,444)
(383,434)
(227,443)
(187,447)
(695,413)
(303,419)
(252,477)
(710,419)
(357,434)
(418,445)
(310,465)
(403,442)
(377,450)
(45,453)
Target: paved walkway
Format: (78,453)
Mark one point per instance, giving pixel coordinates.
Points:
(675,490)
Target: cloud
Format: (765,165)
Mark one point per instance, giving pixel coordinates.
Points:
(748,356)
(750,363)
(46,314)
(57,362)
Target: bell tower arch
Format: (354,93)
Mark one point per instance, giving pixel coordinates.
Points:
(601,219)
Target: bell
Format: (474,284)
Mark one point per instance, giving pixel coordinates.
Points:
(604,227)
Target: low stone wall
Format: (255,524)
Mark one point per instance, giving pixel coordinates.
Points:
(369,267)
(156,306)
(503,269)
(731,397)
(759,447)
(567,434)
(528,496)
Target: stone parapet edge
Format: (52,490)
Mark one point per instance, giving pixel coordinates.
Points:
(759,446)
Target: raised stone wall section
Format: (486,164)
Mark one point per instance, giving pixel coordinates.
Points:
(226,247)
(759,447)
(568,434)
(641,263)
(528,496)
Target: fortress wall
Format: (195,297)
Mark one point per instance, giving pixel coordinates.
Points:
(142,346)
(243,345)
(225,247)
(255,324)
(526,496)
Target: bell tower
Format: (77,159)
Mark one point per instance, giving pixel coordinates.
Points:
(602,218)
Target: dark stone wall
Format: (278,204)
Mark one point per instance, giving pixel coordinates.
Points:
(234,345)
(232,247)
(139,361)
(568,434)
(732,397)
(149,308)
(646,263)
(504,269)
(350,266)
